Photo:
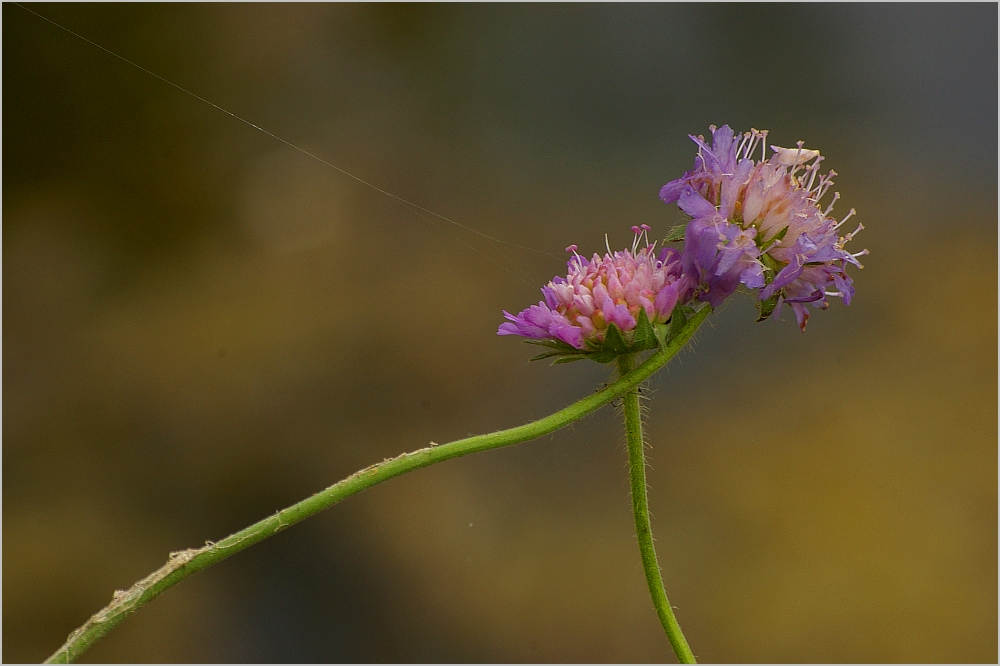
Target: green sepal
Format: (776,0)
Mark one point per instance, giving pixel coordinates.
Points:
(644,337)
(558,345)
(603,356)
(545,355)
(677,321)
(569,359)
(776,238)
(614,342)
(772,267)
(662,333)
(614,345)
(675,234)
(766,308)
(558,348)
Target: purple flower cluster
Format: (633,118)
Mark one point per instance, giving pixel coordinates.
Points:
(755,223)
(760,224)
(605,290)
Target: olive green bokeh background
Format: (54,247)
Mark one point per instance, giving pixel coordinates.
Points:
(201,326)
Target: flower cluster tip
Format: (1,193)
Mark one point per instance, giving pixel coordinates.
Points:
(756,223)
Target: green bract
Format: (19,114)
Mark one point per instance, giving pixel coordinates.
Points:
(616,342)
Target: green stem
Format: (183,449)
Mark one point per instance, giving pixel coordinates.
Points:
(182,564)
(640,508)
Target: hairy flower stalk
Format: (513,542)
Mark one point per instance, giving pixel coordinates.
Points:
(608,309)
(640,512)
(762,224)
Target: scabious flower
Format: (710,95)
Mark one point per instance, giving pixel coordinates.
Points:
(612,289)
(759,223)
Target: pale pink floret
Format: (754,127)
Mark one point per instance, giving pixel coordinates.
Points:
(602,291)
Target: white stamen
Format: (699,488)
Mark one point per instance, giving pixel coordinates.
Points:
(755,136)
(851,235)
(827,183)
(743,143)
(607,244)
(815,170)
(836,196)
(846,218)
(798,154)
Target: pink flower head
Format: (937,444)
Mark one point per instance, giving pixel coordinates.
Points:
(760,223)
(612,289)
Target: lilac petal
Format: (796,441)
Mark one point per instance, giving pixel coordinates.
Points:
(789,272)
(721,287)
(620,317)
(569,334)
(705,148)
(722,140)
(695,205)
(537,315)
(670,192)
(533,322)
(700,247)
(825,253)
(667,256)
(801,315)
(550,297)
(523,324)
(724,148)
(666,299)
(685,288)
(508,328)
(845,285)
(812,297)
(739,248)
(753,276)
(728,256)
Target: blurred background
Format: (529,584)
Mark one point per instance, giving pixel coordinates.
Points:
(202,325)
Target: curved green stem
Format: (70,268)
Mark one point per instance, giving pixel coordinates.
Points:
(640,509)
(182,564)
